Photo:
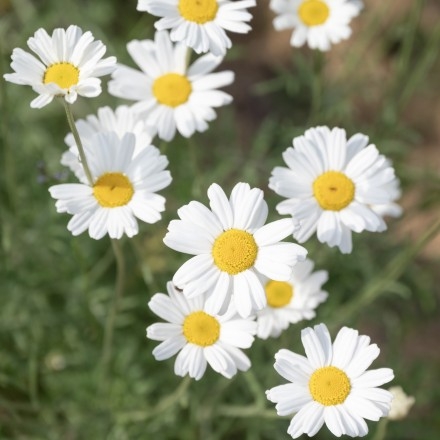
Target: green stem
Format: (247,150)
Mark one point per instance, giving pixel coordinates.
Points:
(165,404)
(82,154)
(316,85)
(408,43)
(390,274)
(246,411)
(196,188)
(381,430)
(255,388)
(111,317)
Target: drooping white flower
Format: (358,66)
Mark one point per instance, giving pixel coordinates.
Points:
(69,64)
(124,188)
(332,185)
(331,385)
(289,302)
(317,23)
(168,94)
(121,121)
(401,404)
(199,336)
(232,247)
(201,24)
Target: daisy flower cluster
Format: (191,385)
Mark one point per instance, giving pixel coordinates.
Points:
(243,278)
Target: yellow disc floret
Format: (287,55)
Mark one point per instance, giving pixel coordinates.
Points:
(329,386)
(112,190)
(201,329)
(64,75)
(198,11)
(278,293)
(234,251)
(172,89)
(313,12)
(333,190)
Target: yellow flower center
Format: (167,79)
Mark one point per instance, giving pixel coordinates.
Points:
(172,89)
(201,329)
(112,190)
(198,11)
(64,75)
(234,251)
(278,293)
(329,386)
(313,12)
(333,190)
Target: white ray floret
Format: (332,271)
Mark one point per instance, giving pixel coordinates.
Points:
(201,24)
(68,63)
(331,385)
(122,120)
(334,186)
(199,336)
(317,23)
(169,94)
(124,188)
(232,246)
(289,302)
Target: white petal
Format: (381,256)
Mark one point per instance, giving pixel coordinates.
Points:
(220,206)
(169,348)
(274,232)
(373,378)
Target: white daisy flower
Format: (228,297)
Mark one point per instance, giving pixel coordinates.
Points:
(289,302)
(69,65)
(171,95)
(332,185)
(199,336)
(331,385)
(124,188)
(122,120)
(319,23)
(201,24)
(232,247)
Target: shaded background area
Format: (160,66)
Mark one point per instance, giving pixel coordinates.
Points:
(56,289)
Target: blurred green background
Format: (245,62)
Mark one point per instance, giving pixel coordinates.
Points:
(56,290)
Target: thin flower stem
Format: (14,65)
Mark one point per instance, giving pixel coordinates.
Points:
(111,317)
(255,388)
(381,430)
(409,41)
(316,85)
(196,188)
(252,411)
(82,154)
(166,403)
(391,273)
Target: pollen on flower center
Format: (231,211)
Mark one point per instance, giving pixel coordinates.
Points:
(234,251)
(333,190)
(172,89)
(329,386)
(278,293)
(198,11)
(64,75)
(112,190)
(201,329)
(313,12)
